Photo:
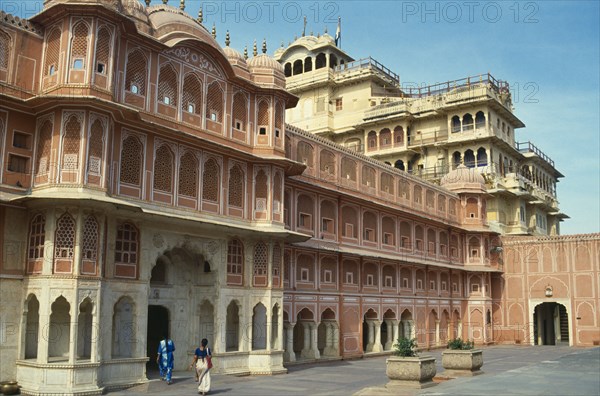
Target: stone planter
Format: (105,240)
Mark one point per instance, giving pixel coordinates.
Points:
(459,363)
(413,372)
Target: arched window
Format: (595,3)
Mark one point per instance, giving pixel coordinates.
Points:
(71,143)
(387,183)
(398,135)
(307,64)
(37,239)
(188,175)
(126,251)
(385,137)
(89,247)
(79,44)
(131,161)
(64,243)
(210,181)
(44,146)
(321,61)
(372,140)
(4,50)
(455,124)
(481,157)
(260,264)
(277,188)
(261,191)
(136,73)
(240,111)
(214,103)
(297,68)
(305,154)
(191,100)
(262,121)
(368,176)
(467,122)
(479,120)
(399,164)
(456,160)
(276,266)
(333,61)
(163,169)
(237,187)
(327,162)
(52,52)
(167,85)
(235,260)
(96,148)
(103,50)
(279,115)
(349,169)
(287,69)
(469,158)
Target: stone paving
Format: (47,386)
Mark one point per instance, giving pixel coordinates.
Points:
(508,370)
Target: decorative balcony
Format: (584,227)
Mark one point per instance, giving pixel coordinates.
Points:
(528,147)
(366,65)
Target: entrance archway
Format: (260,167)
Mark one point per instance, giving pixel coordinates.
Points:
(158,326)
(550,324)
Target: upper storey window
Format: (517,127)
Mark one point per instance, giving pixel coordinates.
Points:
(263,118)
(52,52)
(192,94)
(135,79)
(240,111)
(4,50)
(79,45)
(103,50)
(214,106)
(167,85)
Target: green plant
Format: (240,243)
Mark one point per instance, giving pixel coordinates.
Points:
(459,343)
(405,347)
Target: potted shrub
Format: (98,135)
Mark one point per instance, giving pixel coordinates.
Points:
(407,369)
(460,359)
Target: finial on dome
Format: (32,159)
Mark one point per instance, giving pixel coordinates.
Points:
(182,5)
(200,18)
(325,32)
(147,3)
(214,31)
(282,44)
(254,49)
(246,52)
(165,1)
(264,46)
(227,39)
(318,34)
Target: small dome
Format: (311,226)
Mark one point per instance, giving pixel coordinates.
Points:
(264,61)
(234,56)
(463,176)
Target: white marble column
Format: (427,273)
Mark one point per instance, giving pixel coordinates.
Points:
(370,336)
(390,335)
(74,333)
(377,345)
(330,345)
(305,353)
(437,332)
(288,354)
(314,336)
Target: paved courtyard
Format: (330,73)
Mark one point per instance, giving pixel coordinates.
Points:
(508,370)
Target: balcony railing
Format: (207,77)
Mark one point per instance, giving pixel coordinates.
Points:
(369,64)
(528,147)
(448,86)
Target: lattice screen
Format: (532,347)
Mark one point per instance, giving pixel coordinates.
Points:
(188,175)
(52,51)
(236,187)
(4,50)
(305,154)
(37,237)
(385,137)
(43,148)
(210,181)
(167,85)
(240,111)
(418,194)
(126,244)
(192,94)
(277,192)
(263,113)
(387,183)
(261,190)
(71,143)
(279,114)
(327,162)
(163,169)
(260,259)
(131,161)
(276,260)
(96,148)
(79,43)
(135,79)
(214,102)
(368,176)
(398,134)
(103,48)
(64,238)
(235,257)
(430,199)
(90,239)
(349,169)
(404,189)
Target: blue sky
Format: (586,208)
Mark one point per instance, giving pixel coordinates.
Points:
(547,50)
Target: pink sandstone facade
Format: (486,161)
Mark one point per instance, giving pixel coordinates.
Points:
(149,183)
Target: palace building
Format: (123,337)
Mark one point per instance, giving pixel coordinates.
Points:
(290,209)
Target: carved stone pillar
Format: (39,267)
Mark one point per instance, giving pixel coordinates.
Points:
(370,336)
(377,344)
(288,354)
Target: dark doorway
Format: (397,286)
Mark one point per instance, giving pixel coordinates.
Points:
(550,324)
(158,326)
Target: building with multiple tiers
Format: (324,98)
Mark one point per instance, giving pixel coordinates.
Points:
(425,130)
(150,183)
